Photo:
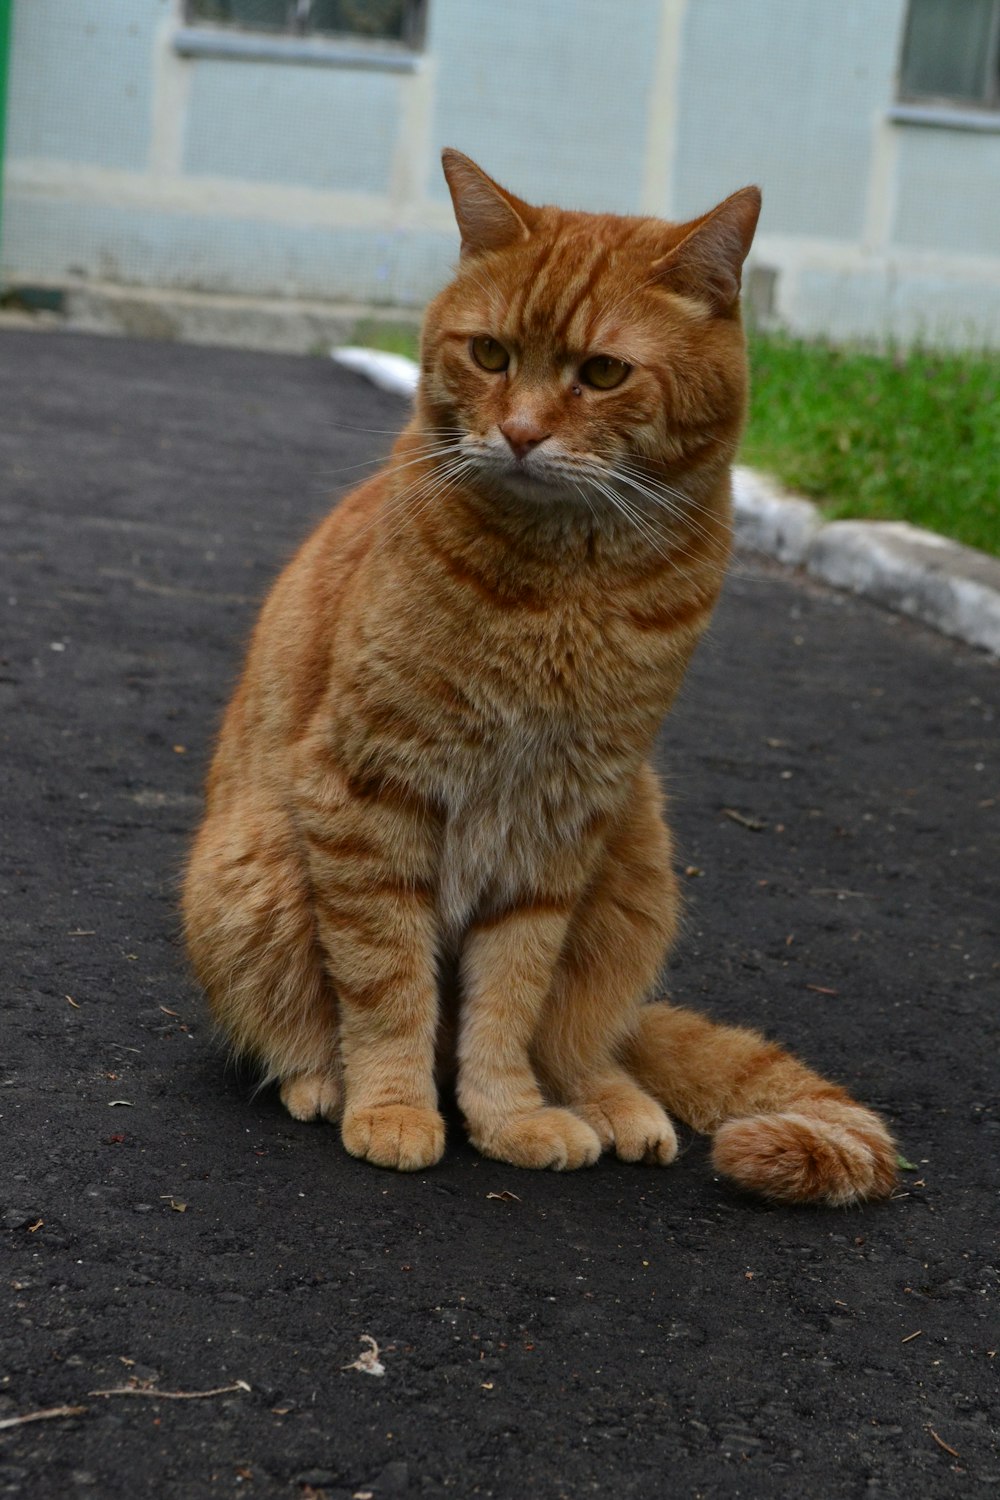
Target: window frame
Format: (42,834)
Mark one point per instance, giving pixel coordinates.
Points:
(916,106)
(298,30)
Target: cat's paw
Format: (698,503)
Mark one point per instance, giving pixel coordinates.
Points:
(819,1153)
(548,1137)
(402,1136)
(632,1123)
(311,1096)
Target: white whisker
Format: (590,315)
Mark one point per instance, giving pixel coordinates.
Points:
(393,468)
(682,513)
(413,494)
(640,523)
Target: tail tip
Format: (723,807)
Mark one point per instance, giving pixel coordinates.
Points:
(794,1157)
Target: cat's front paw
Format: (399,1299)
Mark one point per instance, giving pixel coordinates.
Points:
(402,1136)
(311,1096)
(631,1122)
(547,1137)
(816,1153)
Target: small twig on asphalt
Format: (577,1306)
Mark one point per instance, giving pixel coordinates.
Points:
(42,1416)
(754,824)
(942,1444)
(368,1361)
(910,1336)
(141,1390)
(75,1003)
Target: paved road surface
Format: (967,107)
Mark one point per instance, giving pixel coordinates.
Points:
(623,1332)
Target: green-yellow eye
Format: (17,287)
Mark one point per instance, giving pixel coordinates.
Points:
(604,373)
(488,354)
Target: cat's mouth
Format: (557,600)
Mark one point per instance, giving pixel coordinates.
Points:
(531,480)
(520,471)
(534,475)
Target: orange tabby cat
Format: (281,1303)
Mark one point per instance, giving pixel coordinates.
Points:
(439,750)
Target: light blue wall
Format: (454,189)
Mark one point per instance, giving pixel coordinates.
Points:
(81,81)
(785,93)
(552,98)
(317,127)
(186,252)
(948,195)
(128,163)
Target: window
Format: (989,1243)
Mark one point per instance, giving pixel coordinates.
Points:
(951,54)
(399,21)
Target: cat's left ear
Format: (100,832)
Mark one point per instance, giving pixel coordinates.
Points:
(707,262)
(489,217)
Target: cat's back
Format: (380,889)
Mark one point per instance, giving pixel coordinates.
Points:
(287,666)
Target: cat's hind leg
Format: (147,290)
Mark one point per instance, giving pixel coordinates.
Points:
(779,1128)
(251,934)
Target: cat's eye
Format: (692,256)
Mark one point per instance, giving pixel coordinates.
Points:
(488,354)
(603,373)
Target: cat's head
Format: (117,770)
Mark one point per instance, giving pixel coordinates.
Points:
(573,349)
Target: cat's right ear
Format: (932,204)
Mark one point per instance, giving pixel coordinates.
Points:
(707,261)
(489,218)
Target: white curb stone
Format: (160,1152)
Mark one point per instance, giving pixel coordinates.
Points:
(390,372)
(953,588)
(770,521)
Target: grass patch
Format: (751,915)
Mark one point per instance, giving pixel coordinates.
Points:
(908,436)
(891,437)
(389,336)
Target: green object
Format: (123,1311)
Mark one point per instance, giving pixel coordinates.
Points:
(905,435)
(6,14)
(389,335)
(33,299)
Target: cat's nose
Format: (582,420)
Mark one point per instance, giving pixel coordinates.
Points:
(523,434)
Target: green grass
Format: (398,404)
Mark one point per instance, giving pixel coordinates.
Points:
(895,437)
(905,437)
(389,336)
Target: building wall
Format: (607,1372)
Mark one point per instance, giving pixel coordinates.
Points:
(873,227)
(130,163)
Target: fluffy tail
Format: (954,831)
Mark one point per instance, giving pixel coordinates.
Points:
(779,1129)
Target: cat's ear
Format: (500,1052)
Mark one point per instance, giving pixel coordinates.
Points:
(708,261)
(489,217)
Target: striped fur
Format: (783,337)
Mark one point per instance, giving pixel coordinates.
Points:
(438,753)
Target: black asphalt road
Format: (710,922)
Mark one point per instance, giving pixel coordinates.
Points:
(619,1332)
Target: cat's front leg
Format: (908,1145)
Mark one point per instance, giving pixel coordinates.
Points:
(371,862)
(507,970)
(620,932)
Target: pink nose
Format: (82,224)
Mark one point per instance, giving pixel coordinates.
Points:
(522,435)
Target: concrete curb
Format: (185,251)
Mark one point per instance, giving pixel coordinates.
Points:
(277,324)
(953,588)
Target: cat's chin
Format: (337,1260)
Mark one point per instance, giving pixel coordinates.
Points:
(538,489)
(531,485)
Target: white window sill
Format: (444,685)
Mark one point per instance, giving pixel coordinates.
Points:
(322,52)
(945,116)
